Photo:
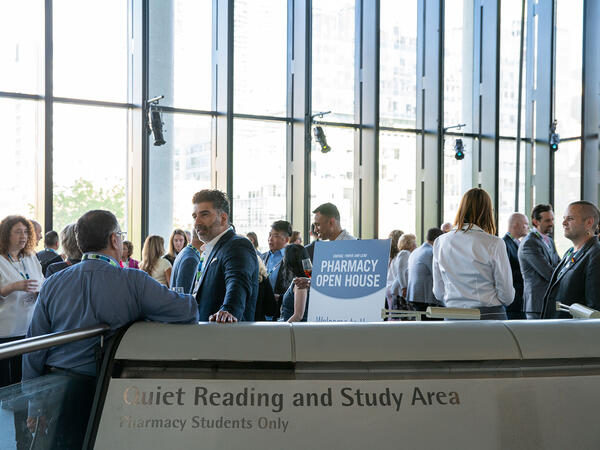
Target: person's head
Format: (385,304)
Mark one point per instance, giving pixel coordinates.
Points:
(152,251)
(68,241)
(253,238)
(99,231)
(433,234)
(580,221)
(327,221)
(210,213)
(51,240)
(127,250)
(407,242)
(313,231)
(296,238)
(177,241)
(188,235)
(394,237)
(446,226)
(294,254)
(542,218)
(518,225)
(279,236)
(476,209)
(17,235)
(38,231)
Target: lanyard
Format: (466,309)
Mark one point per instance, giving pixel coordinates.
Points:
(200,267)
(547,243)
(100,257)
(195,250)
(26,275)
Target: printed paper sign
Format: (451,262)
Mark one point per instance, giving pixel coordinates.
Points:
(348,281)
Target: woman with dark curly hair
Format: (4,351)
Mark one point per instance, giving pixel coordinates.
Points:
(20,280)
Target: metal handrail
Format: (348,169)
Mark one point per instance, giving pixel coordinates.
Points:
(36,343)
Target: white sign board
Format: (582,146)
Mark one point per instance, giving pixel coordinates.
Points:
(348,281)
(529,412)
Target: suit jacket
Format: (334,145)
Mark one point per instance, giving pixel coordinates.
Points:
(537,263)
(420,277)
(282,281)
(229,280)
(47,257)
(513,258)
(578,283)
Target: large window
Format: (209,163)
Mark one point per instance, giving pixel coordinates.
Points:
(398,64)
(181,52)
(260,57)
(333,59)
(22,47)
(90,49)
(258,176)
(332,174)
(567,188)
(89,173)
(397,182)
(21,157)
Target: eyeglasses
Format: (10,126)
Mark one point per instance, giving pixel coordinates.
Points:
(123,234)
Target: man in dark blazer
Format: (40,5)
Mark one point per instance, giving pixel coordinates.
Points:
(518,226)
(228,286)
(577,277)
(50,253)
(537,258)
(279,276)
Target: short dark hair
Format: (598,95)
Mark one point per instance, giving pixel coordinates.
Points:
(50,239)
(328,210)
(283,226)
(433,234)
(536,212)
(218,199)
(94,228)
(590,211)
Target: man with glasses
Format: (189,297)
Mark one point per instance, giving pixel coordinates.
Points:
(95,291)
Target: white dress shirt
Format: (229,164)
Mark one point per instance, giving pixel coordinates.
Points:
(345,236)
(471,269)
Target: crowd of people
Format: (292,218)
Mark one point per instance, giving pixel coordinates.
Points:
(214,274)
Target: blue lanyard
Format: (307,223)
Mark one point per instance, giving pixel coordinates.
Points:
(100,257)
(26,276)
(200,267)
(196,250)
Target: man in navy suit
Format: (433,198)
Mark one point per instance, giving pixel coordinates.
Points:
(228,286)
(518,226)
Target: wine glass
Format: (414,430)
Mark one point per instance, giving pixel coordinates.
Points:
(307,267)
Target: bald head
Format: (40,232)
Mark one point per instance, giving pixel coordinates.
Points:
(518,225)
(446,226)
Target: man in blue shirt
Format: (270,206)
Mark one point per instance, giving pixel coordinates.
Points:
(94,291)
(98,291)
(279,236)
(187,266)
(420,278)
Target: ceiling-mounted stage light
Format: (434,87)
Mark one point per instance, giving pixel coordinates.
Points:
(321,139)
(554,137)
(155,123)
(459,149)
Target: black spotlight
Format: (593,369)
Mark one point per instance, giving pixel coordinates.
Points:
(156,126)
(554,137)
(459,149)
(322,140)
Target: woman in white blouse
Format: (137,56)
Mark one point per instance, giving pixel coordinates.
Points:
(20,280)
(398,270)
(470,264)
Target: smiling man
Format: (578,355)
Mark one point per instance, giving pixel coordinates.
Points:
(228,286)
(577,277)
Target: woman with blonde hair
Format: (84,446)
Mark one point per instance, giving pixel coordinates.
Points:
(153,263)
(177,242)
(397,272)
(470,264)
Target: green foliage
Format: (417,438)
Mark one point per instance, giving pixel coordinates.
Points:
(70,203)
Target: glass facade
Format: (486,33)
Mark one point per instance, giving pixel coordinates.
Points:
(96,148)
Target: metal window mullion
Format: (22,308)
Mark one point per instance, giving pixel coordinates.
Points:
(48,181)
